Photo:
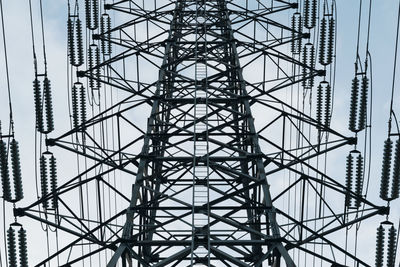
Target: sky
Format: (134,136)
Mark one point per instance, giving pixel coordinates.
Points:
(19,46)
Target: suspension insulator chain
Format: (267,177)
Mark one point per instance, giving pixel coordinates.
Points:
(296,33)
(319,104)
(310,13)
(43,107)
(94,70)
(359,180)
(16,167)
(386,164)
(328,100)
(91,64)
(327,41)
(92,14)
(5,174)
(380,238)
(353,104)
(390,178)
(49,105)
(23,249)
(349,179)
(75,41)
(53,182)
(43,180)
(12,247)
(362,114)
(323,107)
(74,104)
(98,70)
(354,177)
(83,104)
(78,98)
(322,41)
(331,42)
(105,29)
(71,41)
(79,41)
(396,172)
(37,94)
(391,251)
(308,65)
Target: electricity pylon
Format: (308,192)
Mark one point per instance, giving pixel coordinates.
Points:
(200,190)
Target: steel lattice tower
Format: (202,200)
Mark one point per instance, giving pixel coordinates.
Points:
(203,181)
(202,155)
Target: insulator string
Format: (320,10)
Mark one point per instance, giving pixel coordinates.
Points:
(354,104)
(105,30)
(75,40)
(386,164)
(349,179)
(396,172)
(397,241)
(53,181)
(380,238)
(328,100)
(23,249)
(319,104)
(83,104)
(5,175)
(296,31)
(310,13)
(16,168)
(92,14)
(12,247)
(43,180)
(359,180)
(322,37)
(71,42)
(5,231)
(49,105)
(331,40)
(74,104)
(37,96)
(362,112)
(391,246)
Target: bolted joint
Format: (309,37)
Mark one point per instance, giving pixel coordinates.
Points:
(50,142)
(107,6)
(352,141)
(80,73)
(305,35)
(294,5)
(321,72)
(96,36)
(18,212)
(384,210)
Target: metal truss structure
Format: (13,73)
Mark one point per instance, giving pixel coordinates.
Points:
(229,172)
